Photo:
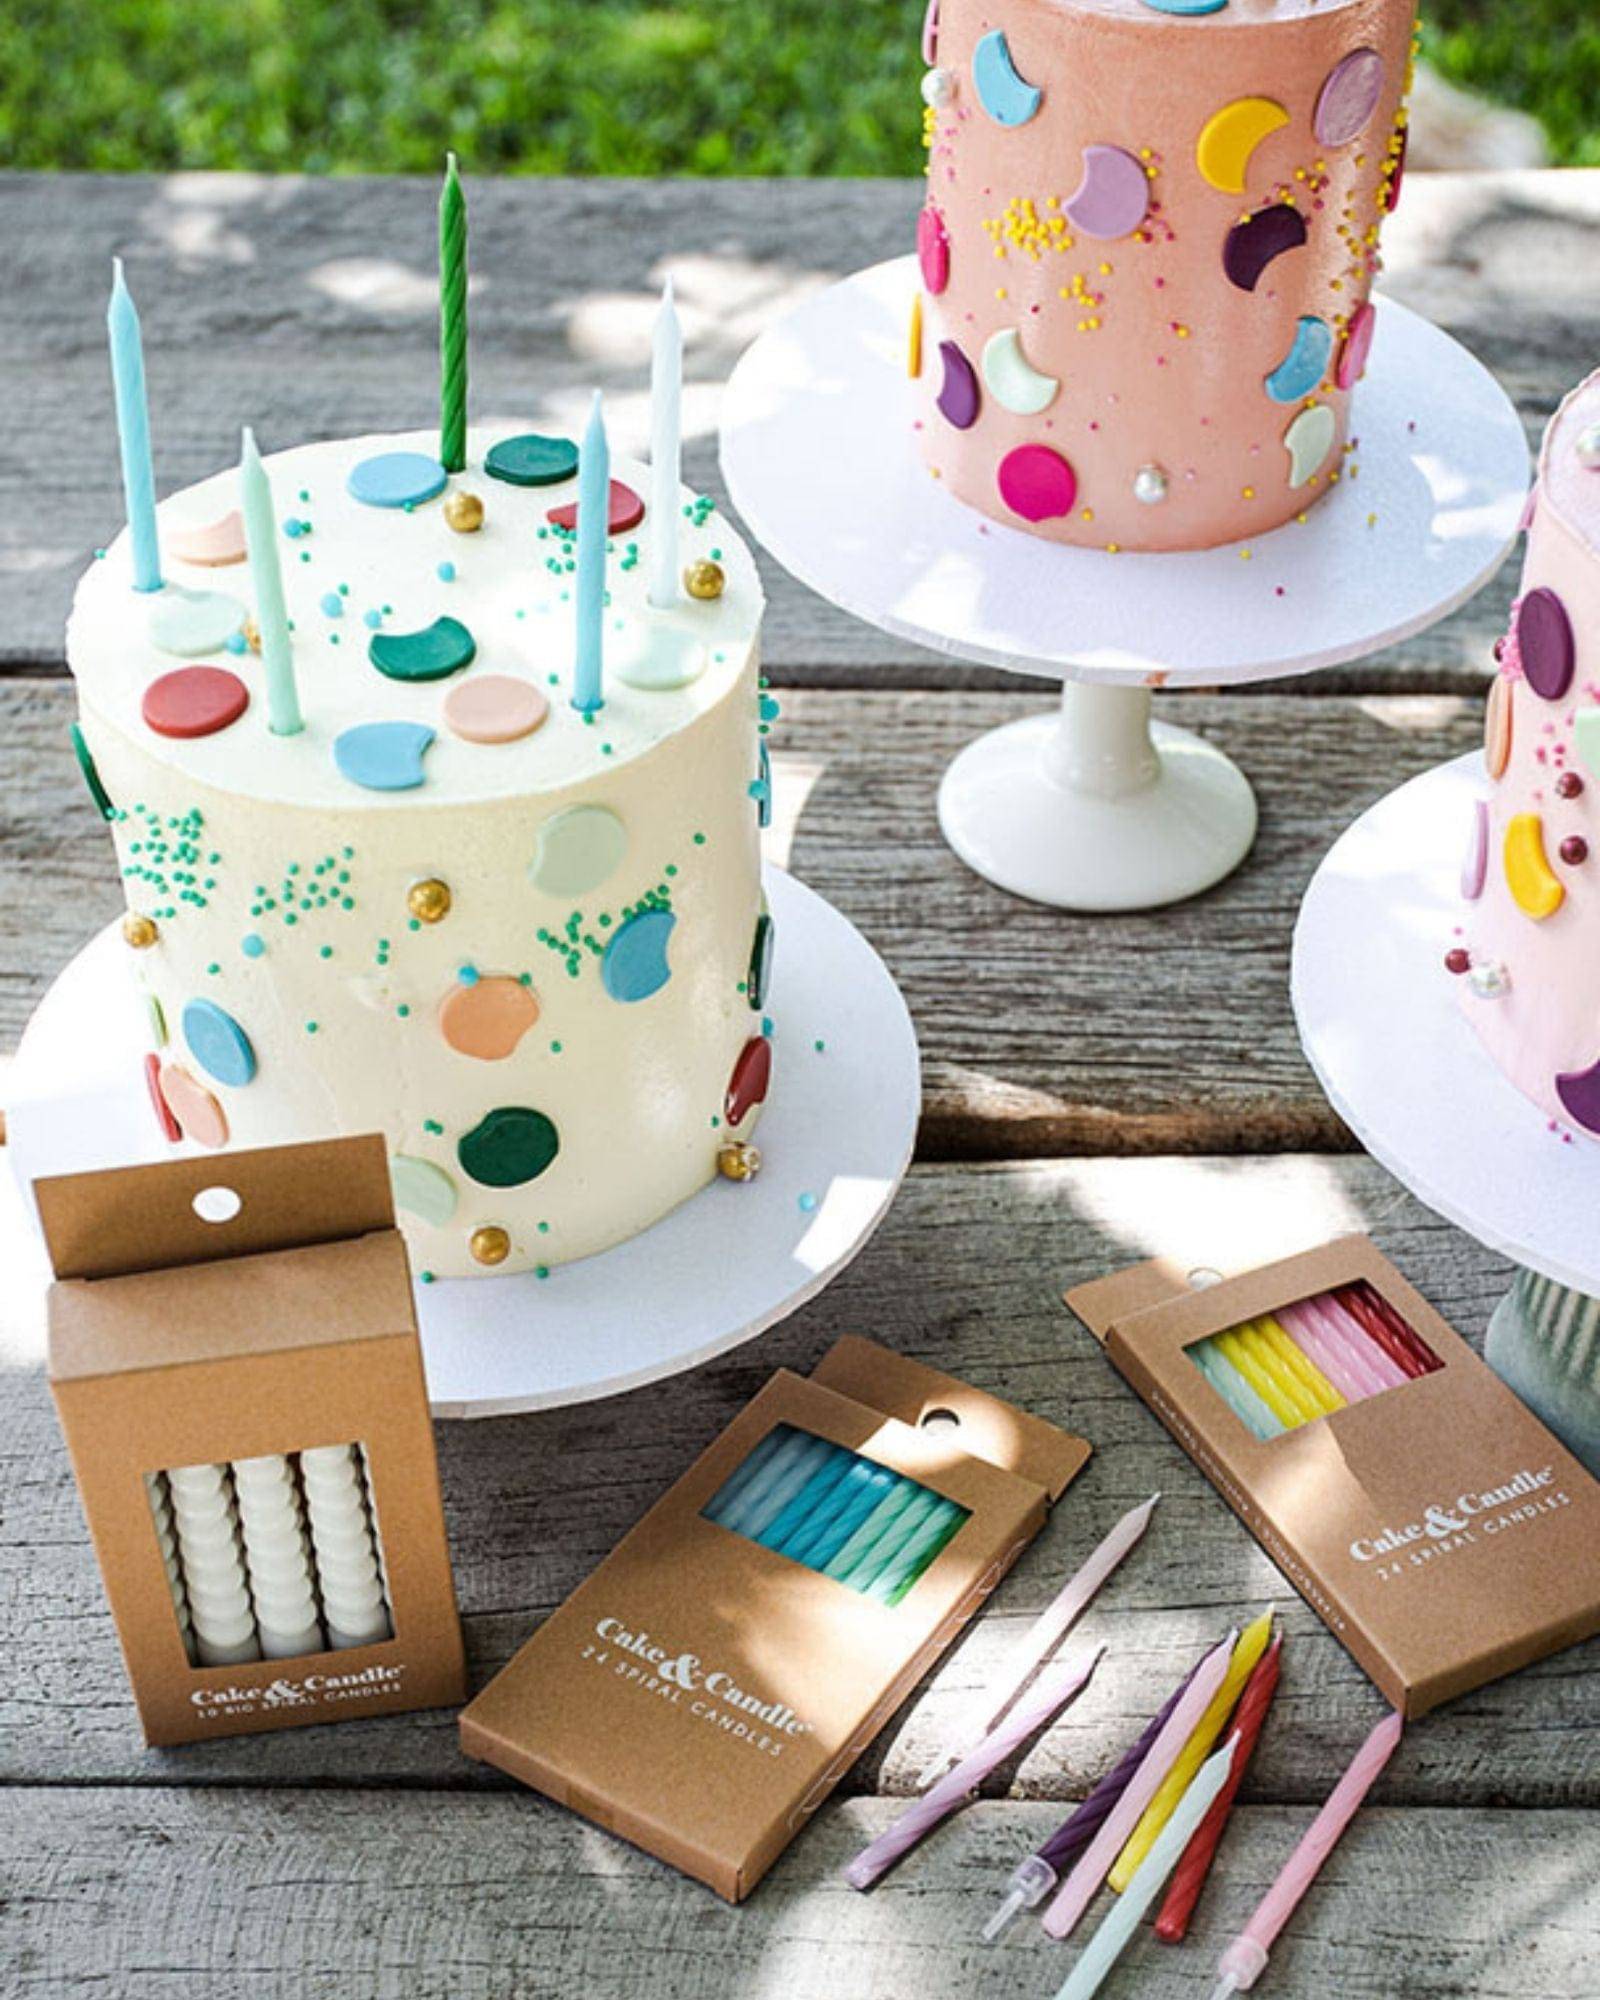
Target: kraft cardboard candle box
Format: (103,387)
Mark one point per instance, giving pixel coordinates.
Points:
(234,1356)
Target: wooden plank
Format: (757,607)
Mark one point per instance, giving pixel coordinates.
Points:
(1041,1032)
(307,309)
(965,1274)
(167,1895)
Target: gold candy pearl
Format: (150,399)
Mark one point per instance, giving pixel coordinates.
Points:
(429,901)
(463,511)
(138,931)
(252,635)
(705,580)
(490,1245)
(738,1161)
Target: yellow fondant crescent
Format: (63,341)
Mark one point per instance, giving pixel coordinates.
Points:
(1013,381)
(1231,135)
(914,338)
(1535,889)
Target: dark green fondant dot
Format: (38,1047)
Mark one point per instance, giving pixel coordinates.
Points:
(509,1147)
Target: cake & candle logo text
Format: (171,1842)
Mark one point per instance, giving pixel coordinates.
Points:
(672,1675)
(1446,1525)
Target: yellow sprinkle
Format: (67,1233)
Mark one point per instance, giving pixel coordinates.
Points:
(1249,493)
(1000,292)
(1245,555)
(1088,513)
(1372,520)
(1113,548)
(1182,332)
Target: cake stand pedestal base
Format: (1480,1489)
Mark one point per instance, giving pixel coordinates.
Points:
(1384,1027)
(1096,807)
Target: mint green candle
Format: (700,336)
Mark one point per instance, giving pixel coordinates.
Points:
(272,615)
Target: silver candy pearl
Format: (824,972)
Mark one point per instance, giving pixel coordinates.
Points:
(938,87)
(1150,485)
(1589,448)
(1489,980)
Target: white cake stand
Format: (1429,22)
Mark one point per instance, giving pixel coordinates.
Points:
(1383,1025)
(1095,808)
(835,1136)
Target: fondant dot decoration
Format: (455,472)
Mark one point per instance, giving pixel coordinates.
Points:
(933,249)
(1475,868)
(958,396)
(625,510)
(200,1117)
(577,850)
(91,775)
(930,32)
(383,756)
(187,623)
(1355,346)
(761,949)
(508,1148)
(1535,887)
(1301,369)
(1229,138)
(431,654)
(1011,378)
(763,787)
(194,701)
(1036,482)
(171,1130)
(211,545)
(1545,641)
(1113,196)
(914,338)
(1579,1092)
(218,1044)
(1497,726)
(750,1082)
(396,479)
(1586,738)
(532,460)
(1002,91)
(656,657)
(1348,98)
(488,1018)
(1259,240)
(494,708)
(1308,440)
(634,964)
(1186,7)
(422,1189)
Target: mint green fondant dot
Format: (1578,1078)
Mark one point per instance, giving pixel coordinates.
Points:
(422,1189)
(577,849)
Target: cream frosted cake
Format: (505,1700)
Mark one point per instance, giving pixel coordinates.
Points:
(525,942)
(1146,253)
(1527,956)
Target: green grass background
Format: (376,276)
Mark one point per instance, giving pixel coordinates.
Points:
(585,86)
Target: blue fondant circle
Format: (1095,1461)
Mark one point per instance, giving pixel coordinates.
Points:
(217,1042)
(635,962)
(396,479)
(1303,367)
(383,756)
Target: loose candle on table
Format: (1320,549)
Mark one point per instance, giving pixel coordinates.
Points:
(272,615)
(1190,1878)
(1245,1960)
(666,434)
(1078,1891)
(1048,1630)
(1111,1940)
(452,320)
(953,1791)
(1252,1644)
(594,505)
(133,431)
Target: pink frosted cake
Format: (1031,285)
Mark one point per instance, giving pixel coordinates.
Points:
(1146,252)
(1527,955)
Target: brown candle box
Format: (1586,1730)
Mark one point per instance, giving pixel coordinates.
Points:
(702,1694)
(244,1403)
(1437,1528)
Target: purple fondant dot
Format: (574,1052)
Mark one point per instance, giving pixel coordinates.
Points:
(1251,245)
(958,399)
(1579,1092)
(1546,644)
(1348,98)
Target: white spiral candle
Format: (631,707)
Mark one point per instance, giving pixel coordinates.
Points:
(212,1558)
(276,1557)
(167,1540)
(353,1601)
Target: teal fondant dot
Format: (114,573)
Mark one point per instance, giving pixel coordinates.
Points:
(218,1043)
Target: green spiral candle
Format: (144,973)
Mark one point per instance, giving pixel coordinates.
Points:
(452,321)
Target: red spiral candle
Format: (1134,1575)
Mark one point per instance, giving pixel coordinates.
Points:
(1401,1327)
(1378,1329)
(1189,1877)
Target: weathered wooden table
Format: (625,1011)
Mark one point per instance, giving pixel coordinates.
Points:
(1090,1084)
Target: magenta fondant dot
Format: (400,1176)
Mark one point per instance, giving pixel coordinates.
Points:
(933,249)
(194,701)
(1579,1091)
(1356,346)
(958,398)
(1545,643)
(1348,98)
(1037,482)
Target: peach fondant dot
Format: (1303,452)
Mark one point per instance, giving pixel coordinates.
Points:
(199,1114)
(488,1018)
(494,708)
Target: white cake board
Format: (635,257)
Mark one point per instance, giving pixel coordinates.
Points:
(838,1126)
(1091,809)
(1383,1025)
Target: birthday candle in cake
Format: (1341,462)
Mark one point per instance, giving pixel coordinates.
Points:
(666,391)
(452,320)
(213,1565)
(133,431)
(272,615)
(353,1599)
(594,500)
(276,1557)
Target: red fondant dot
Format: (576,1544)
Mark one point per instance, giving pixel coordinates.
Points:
(171,1131)
(751,1079)
(194,701)
(626,511)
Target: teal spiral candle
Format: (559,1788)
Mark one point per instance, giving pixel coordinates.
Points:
(744,1475)
(877,1524)
(897,1577)
(808,1503)
(787,1472)
(452,321)
(840,1514)
(886,1551)
(1234,1390)
(133,431)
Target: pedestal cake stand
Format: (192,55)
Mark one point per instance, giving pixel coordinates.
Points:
(1095,807)
(836,1136)
(1383,1025)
